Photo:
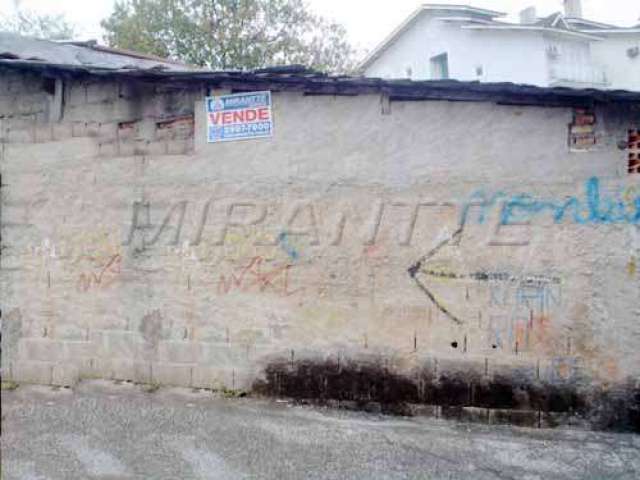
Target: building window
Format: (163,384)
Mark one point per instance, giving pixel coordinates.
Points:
(440,67)
(634,151)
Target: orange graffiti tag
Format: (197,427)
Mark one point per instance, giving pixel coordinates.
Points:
(255,277)
(105,276)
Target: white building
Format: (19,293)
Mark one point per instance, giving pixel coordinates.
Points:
(467,43)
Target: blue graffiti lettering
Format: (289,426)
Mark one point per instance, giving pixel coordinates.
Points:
(593,209)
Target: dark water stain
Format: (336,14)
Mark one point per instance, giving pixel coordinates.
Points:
(461,393)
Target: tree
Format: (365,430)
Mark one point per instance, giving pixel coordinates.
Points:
(230,34)
(51,27)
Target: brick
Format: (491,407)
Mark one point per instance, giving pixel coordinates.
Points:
(80,129)
(218,378)
(65,375)
(76,94)
(17,84)
(179,147)
(99,92)
(121,369)
(61,131)
(584,119)
(122,343)
(36,328)
(126,147)
(108,130)
(86,366)
(26,135)
(177,128)
(243,379)
(223,355)
(6,370)
(127,130)
(92,129)
(20,122)
(179,375)
(141,147)
(179,352)
(108,149)
(157,148)
(209,334)
(176,332)
(581,129)
(8,80)
(40,349)
(69,332)
(124,110)
(24,104)
(130,370)
(43,133)
(129,90)
(211,377)
(33,372)
(79,350)
(70,152)
(142,372)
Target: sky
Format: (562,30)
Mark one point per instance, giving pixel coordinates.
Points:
(368,22)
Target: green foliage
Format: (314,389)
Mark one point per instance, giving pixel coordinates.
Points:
(230,34)
(231,393)
(30,24)
(152,387)
(8,385)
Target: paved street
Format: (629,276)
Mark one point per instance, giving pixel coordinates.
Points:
(107,431)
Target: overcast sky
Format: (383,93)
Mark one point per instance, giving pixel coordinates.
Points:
(367,21)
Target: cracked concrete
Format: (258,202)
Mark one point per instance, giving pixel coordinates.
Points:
(103,430)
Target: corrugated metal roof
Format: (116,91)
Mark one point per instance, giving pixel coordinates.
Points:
(75,60)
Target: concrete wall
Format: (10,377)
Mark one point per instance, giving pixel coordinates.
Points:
(444,244)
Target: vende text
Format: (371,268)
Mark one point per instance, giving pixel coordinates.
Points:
(240,116)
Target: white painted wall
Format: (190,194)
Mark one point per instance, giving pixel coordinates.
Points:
(574,65)
(504,56)
(623,72)
(407,52)
(510,56)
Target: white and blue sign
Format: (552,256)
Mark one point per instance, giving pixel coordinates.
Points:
(239,116)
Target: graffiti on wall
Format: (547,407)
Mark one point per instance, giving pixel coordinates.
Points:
(101,277)
(258,276)
(595,206)
(591,208)
(533,292)
(272,254)
(528,294)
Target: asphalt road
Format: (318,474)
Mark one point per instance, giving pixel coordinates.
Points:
(106,431)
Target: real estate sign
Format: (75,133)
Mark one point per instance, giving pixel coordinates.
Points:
(239,116)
